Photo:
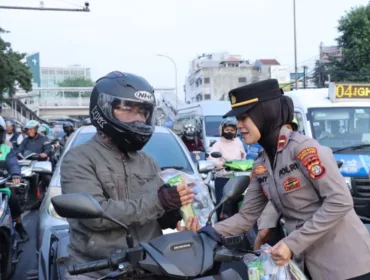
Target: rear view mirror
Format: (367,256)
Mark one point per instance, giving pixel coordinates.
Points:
(236,186)
(205,166)
(216,155)
(77,206)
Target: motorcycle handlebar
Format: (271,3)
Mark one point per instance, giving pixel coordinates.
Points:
(111,263)
(88,267)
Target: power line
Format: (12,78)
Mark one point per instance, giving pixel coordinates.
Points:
(83,9)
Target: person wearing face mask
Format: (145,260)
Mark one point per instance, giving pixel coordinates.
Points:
(231,148)
(299,178)
(123,179)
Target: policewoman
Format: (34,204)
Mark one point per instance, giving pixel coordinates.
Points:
(301,180)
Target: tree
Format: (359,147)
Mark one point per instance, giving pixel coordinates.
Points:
(76,82)
(319,75)
(354,40)
(13,71)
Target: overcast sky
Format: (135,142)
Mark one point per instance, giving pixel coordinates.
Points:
(125,35)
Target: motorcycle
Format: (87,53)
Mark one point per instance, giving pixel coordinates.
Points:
(31,169)
(9,253)
(184,255)
(233,168)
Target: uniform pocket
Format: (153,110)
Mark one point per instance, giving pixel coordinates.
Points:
(297,194)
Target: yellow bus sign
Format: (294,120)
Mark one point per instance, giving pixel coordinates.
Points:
(354,92)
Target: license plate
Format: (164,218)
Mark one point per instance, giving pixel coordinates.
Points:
(246,173)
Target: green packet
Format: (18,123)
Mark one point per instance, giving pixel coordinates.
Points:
(186,211)
(255,270)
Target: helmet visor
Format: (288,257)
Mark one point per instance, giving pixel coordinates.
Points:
(125,111)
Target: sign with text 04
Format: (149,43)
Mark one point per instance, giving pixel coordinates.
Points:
(352,91)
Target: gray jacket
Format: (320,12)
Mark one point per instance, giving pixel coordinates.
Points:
(125,187)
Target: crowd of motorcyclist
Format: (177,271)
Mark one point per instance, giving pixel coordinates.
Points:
(325,236)
(33,138)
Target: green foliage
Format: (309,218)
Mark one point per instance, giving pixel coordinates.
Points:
(13,71)
(354,39)
(76,82)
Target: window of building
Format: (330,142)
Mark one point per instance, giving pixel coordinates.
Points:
(242,79)
(207,97)
(206,80)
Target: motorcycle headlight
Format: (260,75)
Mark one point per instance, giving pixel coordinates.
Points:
(348,182)
(54,191)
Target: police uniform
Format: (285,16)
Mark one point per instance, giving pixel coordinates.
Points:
(305,185)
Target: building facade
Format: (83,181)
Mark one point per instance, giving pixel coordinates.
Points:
(52,76)
(212,76)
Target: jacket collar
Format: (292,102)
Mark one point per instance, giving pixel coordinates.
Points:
(106,143)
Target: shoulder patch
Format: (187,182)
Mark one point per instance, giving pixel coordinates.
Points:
(260,169)
(310,159)
(282,141)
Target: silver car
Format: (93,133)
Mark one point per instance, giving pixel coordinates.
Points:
(164,146)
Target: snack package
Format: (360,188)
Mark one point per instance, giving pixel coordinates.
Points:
(202,204)
(264,268)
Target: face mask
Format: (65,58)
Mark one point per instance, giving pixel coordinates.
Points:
(228,135)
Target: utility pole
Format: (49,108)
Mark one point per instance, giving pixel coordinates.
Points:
(83,9)
(295,47)
(304,76)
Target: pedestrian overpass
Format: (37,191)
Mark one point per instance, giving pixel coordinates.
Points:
(67,101)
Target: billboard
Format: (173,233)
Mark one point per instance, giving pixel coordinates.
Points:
(280,73)
(327,52)
(33,62)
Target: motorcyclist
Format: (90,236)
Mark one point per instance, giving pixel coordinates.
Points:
(9,157)
(122,178)
(68,130)
(191,138)
(231,148)
(44,129)
(14,137)
(36,143)
(228,145)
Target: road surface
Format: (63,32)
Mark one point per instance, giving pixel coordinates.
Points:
(28,257)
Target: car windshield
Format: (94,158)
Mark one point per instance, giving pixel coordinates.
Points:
(158,143)
(58,133)
(342,127)
(212,124)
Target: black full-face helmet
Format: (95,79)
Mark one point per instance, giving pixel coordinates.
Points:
(129,93)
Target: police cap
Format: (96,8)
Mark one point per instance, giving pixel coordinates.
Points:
(244,98)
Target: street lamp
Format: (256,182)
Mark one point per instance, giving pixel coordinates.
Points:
(295,48)
(174,64)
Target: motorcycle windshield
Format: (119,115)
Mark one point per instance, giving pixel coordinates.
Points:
(239,165)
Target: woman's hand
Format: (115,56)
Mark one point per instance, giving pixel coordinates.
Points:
(261,238)
(281,253)
(191,224)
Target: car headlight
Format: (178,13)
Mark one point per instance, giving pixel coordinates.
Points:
(53,191)
(348,182)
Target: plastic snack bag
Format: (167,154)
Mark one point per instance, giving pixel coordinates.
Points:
(264,268)
(202,203)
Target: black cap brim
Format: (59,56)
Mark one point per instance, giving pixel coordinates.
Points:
(239,110)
